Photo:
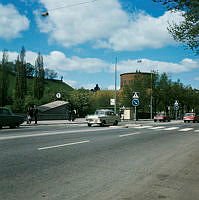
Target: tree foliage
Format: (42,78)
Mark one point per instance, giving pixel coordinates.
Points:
(187,32)
(38,88)
(4,81)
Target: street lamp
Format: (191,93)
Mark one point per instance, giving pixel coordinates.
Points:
(151,96)
(115,106)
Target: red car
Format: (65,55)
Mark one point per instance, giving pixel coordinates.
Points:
(162,117)
(188,117)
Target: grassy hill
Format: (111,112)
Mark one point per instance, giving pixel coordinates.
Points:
(52,87)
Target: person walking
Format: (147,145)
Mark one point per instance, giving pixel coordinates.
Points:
(29,115)
(35,113)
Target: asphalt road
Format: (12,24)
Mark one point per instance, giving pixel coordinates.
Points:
(142,162)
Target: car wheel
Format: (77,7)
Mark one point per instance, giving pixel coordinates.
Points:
(12,126)
(155,120)
(0,127)
(102,123)
(89,125)
(115,123)
(194,121)
(185,121)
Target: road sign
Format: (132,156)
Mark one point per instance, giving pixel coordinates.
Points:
(176,107)
(112,102)
(176,103)
(135,102)
(135,95)
(58,95)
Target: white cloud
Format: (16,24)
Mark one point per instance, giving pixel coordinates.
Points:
(83,23)
(12,23)
(143,31)
(147,65)
(106,25)
(60,62)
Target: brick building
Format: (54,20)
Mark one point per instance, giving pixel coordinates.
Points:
(126,78)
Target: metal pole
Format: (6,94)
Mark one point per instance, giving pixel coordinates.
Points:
(151,103)
(135,114)
(115,106)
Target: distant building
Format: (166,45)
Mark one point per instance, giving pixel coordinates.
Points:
(127,78)
(56,110)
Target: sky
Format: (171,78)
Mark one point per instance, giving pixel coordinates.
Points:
(81,39)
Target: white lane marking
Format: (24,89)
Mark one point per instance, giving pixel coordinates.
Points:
(171,128)
(62,145)
(196,131)
(186,129)
(52,133)
(140,127)
(130,134)
(157,127)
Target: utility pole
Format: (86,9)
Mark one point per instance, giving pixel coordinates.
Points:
(151,102)
(115,106)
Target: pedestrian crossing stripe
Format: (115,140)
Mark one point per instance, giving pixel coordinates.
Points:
(165,129)
(157,127)
(186,129)
(171,128)
(140,127)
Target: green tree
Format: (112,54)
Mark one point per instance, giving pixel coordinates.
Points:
(186,32)
(80,100)
(38,86)
(4,80)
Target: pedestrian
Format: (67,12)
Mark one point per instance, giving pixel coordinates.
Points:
(29,115)
(35,113)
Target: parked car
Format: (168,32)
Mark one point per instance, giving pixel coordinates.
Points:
(103,117)
(8,118)
(188,117)
(162,117)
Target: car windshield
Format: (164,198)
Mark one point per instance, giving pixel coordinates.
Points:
(99,112)
(189,114)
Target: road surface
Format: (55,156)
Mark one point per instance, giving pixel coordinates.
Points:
(142,162)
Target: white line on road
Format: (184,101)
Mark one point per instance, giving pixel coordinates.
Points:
(186,129)
(51,133)
(130,134)
(157,127)
(140,127)
(170,129)
(62,145)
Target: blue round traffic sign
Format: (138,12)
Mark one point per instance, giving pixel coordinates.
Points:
(176,107)
(135,102)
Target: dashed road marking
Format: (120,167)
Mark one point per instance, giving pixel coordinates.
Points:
(62,145)
(130,134)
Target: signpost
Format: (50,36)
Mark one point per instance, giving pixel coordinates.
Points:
(135,102)
(176,107)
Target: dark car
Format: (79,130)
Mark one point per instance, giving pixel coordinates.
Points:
(162,117)
(191,117)
(7,118)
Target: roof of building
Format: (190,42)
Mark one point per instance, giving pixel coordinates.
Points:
(51,105)
(135,73)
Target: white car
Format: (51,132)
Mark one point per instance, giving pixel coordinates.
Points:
(103,117)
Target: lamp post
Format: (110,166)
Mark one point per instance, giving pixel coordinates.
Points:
(115,106)
(151,101)
(151,96)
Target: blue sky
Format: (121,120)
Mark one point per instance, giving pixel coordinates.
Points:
(81,42)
